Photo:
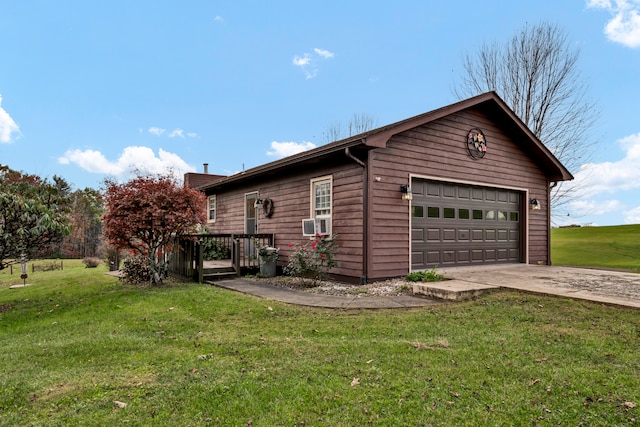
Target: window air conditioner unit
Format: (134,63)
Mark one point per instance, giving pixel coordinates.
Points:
(313,226)
(309,227)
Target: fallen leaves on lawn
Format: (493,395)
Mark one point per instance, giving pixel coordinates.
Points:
(119,404)
(355,382)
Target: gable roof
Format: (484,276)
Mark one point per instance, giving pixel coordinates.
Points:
(489,103)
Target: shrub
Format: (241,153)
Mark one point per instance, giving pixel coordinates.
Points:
(267,253)
(91,262)
(425,276)
(314,259)
(214,249)
(135,270)
(111,255)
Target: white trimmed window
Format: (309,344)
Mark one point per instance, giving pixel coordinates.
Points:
(211,208)
(321,203)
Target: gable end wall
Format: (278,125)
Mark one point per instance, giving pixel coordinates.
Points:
(438,149)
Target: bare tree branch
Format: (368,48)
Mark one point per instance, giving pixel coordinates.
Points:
(359,123)
(537,75)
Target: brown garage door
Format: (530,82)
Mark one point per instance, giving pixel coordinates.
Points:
(456,224)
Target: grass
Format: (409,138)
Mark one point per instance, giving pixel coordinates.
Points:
(616,247)
(77,348)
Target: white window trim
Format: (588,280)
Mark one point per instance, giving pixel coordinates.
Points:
(257,216)
(312,199)
(215,209)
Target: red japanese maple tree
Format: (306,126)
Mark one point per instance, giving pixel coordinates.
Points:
(145,215)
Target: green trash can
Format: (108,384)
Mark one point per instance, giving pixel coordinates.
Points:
(268,261)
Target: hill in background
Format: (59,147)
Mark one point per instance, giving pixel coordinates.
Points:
(615,247)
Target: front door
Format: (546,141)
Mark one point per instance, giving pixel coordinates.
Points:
(251,213)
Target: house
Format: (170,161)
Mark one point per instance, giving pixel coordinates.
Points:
(466,184)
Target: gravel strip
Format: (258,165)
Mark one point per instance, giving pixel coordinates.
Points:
(391,287)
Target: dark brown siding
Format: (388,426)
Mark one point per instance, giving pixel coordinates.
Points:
(438,150)
(291,200)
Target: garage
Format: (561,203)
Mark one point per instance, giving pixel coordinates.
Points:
(460,224)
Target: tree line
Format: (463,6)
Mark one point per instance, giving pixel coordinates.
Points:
(46,218)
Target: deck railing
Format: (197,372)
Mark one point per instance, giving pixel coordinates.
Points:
(191,253)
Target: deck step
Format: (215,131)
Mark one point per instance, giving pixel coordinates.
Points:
(217,270)
(219,276)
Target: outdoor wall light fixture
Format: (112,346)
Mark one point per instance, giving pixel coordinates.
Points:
(535,204)
(406,192)
(257,203)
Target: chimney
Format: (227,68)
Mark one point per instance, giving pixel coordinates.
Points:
(206,167)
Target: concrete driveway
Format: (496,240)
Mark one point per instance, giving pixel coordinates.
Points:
(610,287)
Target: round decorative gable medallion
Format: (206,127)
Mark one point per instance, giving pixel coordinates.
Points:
(476,143)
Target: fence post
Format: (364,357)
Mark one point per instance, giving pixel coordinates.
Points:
(236,256)
(200,253)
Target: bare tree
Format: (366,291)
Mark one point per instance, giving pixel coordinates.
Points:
(359,123)
(537,75)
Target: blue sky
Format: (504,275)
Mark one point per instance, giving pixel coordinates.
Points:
(96,89)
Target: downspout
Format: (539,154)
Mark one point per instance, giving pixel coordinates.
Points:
(365,214)
(551,187)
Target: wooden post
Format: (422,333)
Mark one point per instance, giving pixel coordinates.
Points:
(200,253)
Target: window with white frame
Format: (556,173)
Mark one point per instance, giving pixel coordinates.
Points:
(211,208)
(321,202)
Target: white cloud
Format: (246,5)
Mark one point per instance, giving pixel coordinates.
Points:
(284,149)
(156,131)
(218,18)
(624,26)
(301,61)
(8,127)
(308,61)
(610,177)
(632,216)
(132,160)
(323,53)
(593,207)
(175,133)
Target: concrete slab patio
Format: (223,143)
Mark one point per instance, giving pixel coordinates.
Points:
(609,287)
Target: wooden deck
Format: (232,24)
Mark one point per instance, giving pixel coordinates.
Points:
(205,257)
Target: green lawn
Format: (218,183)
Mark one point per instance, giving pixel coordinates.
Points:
(77,348)
(616,247)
